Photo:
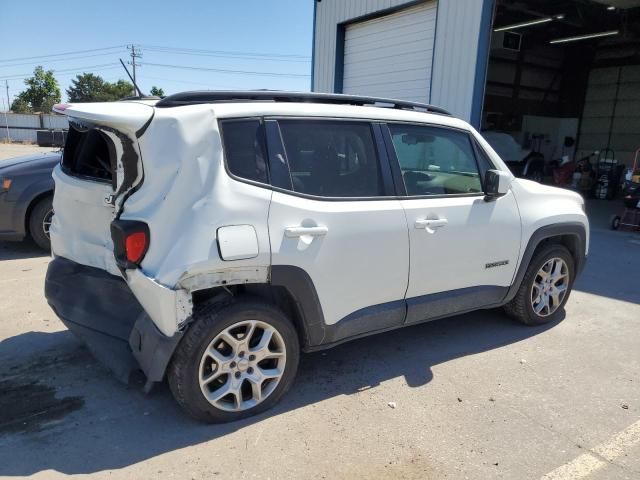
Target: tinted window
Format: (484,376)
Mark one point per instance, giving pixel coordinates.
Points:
(331,158)
(244,149)
(435,161)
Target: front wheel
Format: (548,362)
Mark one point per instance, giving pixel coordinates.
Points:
(545,287)
(236,360)
(40,222)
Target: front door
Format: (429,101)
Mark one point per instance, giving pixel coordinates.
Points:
(463,249)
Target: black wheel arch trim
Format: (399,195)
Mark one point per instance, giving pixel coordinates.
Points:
(575,230)
(301,288)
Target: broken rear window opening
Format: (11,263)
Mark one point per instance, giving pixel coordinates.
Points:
(89,153)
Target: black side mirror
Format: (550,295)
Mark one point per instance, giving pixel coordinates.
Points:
(496,184)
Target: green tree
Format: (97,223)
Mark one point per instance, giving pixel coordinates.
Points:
(157,91)
(42,92)
(119,90)
(86,88)
(93,88)
(20,106)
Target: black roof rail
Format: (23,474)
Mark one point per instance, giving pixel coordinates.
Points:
(227,96)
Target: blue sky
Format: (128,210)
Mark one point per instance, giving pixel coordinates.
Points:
(268,36)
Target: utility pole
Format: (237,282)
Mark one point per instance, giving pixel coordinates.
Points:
(134,54)
(6,82)
(6,122)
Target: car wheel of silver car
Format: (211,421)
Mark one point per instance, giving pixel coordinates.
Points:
(235,360)
(40,222)
(545,287)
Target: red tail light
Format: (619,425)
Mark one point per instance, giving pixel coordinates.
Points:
(136,246)
(130,242)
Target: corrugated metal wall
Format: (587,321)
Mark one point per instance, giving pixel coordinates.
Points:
(611,113)
(455,56)
(24,127)
(456,46)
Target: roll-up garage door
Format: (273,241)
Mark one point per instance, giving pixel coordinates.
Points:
(390,56)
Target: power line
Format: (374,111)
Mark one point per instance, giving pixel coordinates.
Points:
(62,54)
(239,72)
(227,55)
(60,59)
(223,52)
(16,76)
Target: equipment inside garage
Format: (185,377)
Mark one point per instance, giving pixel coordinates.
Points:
(563,86)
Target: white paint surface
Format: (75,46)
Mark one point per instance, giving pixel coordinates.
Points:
(454,256)
(363,258)
(238,242)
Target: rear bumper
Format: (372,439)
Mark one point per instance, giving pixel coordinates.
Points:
(103,312)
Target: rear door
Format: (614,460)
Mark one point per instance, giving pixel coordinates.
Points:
(331,216)
(463,249)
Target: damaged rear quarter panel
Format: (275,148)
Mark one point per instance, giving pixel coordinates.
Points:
(186,196)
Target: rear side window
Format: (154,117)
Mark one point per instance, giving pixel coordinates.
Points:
(435,161)
(244,151)
(332,158)
(89,153)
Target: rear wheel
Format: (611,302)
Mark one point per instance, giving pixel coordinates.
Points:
(236,360)
(545,287)
(40,222)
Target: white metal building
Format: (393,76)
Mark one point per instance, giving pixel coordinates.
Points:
(562,77)
(423,51)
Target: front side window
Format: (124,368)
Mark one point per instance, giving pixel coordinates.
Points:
(435,161)
(331,158)
(244,150)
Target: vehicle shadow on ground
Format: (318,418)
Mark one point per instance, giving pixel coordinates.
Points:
(106,426)
(613,266)
(20,250)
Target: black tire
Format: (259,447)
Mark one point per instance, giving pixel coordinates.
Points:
(39,213)
(615,222)
(183,371)
(521,307)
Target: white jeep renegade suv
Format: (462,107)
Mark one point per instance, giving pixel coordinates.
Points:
(211,236)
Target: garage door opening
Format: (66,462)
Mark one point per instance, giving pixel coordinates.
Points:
(563,84)
(391,55)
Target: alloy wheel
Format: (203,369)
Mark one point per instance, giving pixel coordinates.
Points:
(242,366)
(46,223)
(550,286)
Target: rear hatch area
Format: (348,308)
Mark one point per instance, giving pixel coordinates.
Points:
(100,166)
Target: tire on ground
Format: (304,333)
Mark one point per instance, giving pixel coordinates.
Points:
(36,219)
(520,307)
(183,371)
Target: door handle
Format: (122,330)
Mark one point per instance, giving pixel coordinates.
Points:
(431,225)
(293,232)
